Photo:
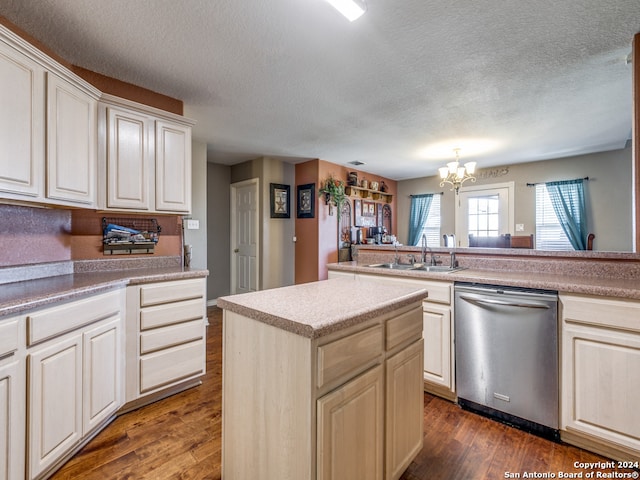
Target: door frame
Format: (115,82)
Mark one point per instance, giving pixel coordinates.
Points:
(232,235)
(511,188)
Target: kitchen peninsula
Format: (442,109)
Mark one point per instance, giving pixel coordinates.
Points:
(322,380)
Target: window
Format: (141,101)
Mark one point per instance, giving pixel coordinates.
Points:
(484,216)
(432,227)
(484,211)
(549,233)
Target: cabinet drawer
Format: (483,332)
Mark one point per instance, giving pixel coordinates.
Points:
(171,336)
(168,292)
(404,327)
(8,337)
(171,365)
(348,356)
(65,318)
(601,311)
(162,315)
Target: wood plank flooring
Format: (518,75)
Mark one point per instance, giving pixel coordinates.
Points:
(180,438)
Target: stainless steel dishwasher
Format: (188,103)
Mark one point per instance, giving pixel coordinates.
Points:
(506,342)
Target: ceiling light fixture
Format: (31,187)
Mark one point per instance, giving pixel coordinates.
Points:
(455,175)
(352,9)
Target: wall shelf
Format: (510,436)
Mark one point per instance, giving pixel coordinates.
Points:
(368,194)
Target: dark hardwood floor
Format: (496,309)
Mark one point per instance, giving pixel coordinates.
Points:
(180,438)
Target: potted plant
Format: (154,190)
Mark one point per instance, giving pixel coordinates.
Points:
(333,192)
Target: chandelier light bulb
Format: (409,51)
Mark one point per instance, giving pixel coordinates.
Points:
(455,175)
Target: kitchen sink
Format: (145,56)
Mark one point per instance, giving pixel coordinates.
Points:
(394,266)
(417,267)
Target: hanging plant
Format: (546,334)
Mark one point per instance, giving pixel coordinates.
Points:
(333,192)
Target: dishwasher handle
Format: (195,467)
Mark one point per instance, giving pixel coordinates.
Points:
(502,303)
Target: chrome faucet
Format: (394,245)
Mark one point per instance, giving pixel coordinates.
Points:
(412,258)
(453,262)
(396,258)
(423,256)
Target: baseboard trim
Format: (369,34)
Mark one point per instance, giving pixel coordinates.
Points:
(440,391)
(602,447)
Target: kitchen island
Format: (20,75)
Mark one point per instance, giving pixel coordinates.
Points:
(322,380)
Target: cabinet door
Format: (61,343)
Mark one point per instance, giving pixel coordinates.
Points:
(102,373)
(129,157)
(173,167)
(12,421)
(601,386)
(71,143)
(351,430)
(436,328)
(404,409)
(55,401)
(21,125)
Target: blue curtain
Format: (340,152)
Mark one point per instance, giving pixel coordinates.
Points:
(420,205)
(567,198)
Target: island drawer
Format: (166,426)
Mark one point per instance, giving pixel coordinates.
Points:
(55,321)
(162,315)
(404,328)
(171,336)
(8,337)
(169,292)
(170,365)
(348,356)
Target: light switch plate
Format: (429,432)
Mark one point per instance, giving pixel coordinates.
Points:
(193,224)
(519,227)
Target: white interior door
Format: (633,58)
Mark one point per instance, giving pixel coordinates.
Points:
(244,236)
(486,210)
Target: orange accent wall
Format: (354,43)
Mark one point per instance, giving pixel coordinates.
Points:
(317,238)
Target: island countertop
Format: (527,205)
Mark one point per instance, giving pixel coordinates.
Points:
(316,309)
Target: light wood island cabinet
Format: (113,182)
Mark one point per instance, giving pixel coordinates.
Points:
(328,386)
(438,329)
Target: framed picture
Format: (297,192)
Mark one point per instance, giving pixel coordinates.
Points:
(306,201)
(280,201)
(365,213)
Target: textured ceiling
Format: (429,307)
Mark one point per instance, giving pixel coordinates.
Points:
(507,81)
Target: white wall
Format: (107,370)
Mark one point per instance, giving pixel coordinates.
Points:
(198,238)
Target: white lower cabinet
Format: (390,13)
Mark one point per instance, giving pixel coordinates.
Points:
(600,381)
(75,375)
(166,336)
(55,401)
(12,399)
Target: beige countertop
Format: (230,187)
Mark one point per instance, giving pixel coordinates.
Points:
(316,309)
(26,295)
(588,285)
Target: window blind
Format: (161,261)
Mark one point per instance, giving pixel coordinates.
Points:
(549,233)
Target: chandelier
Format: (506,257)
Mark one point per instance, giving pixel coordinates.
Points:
(455,175)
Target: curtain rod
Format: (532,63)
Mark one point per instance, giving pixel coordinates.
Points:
(542,183)
(418,194)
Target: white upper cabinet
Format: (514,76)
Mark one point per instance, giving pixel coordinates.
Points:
(129,158)
(173,167)
(21,125)
(146,154)
(60,146)
(48,128)
(71,143)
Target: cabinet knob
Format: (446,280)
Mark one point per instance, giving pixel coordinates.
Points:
(236,250)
